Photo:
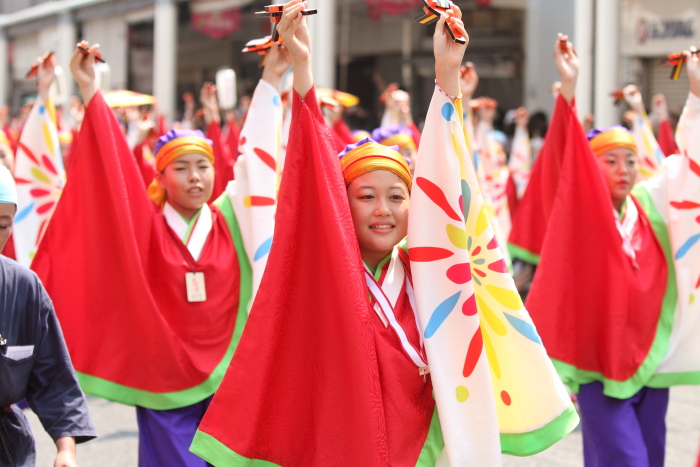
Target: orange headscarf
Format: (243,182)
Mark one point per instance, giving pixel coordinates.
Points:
(368,155)
(602,141)
(171,150)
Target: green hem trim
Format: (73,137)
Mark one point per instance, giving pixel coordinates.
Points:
(215,452)
(434,443)
(171,400)
(665,380)
(574,377)
(523,254)
(532,442)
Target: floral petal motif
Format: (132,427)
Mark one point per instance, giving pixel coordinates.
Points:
(440,314)
(263,249)
(267,159)
(48,164)
(491,318)
(685,204)
(473,353)
(437,196)
(459,273)
(249,201)
(40,176)
(499,266)
(44,208)
(687,246)
(466,199)
(24,212)
(38,192)
(694,166)
(28,152)
(469,306)
(491,355)
(424,254)
(524,328)
(457,236)
(482,221)
(505,297)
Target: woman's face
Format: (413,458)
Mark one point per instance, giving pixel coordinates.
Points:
(379,207)
(619,167)
(189,182)
(7,218)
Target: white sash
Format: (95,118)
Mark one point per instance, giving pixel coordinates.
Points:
(386,297)
(626,227)
(199,233)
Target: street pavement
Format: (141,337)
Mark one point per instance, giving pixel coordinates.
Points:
(118,442)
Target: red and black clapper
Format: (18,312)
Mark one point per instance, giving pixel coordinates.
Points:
(677,61)
(274,12)
(433,9)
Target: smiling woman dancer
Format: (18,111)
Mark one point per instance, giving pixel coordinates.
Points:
(153,288)
(324,376)
(615,295)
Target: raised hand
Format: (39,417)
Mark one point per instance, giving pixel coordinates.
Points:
(448,53)
(277,62)
(210,104)
(693,66)
(46,74)
(659,107)
(633,98)
(293,30)
(522,117)
(82,67)
(568,66)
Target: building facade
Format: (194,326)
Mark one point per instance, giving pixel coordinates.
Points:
(167,47)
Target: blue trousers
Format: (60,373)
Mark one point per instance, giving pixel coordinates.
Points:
(165,435)
(623,432)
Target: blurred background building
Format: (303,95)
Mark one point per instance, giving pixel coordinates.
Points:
(167,47)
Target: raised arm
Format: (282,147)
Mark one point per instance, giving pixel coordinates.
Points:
(82,66)
(293,29)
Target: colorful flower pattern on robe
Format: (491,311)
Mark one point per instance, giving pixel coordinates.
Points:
(253,192)
(40,178)
(486,359)
(520,162)
(675,192)
(649,154)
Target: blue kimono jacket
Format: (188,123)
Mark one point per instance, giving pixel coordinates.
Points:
(34,365)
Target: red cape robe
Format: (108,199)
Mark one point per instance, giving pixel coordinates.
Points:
(317,380)
(9,249)
(232,134)
(223,160)
(665,138)
(592,308)
(528,223)
(116,274)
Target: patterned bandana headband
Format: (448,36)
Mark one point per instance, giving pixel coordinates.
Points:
(368,155)
(603,140)
(8,190)
(174,144)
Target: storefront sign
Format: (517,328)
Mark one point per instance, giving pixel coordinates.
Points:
(393,7)
(659,28)
(217,19)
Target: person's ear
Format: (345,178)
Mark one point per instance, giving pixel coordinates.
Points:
(160,179)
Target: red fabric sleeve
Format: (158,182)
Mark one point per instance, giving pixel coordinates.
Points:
(665,138)
(592,307)
(223,162)
(415,133)
(342,130)
(306,364)
(9,249)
